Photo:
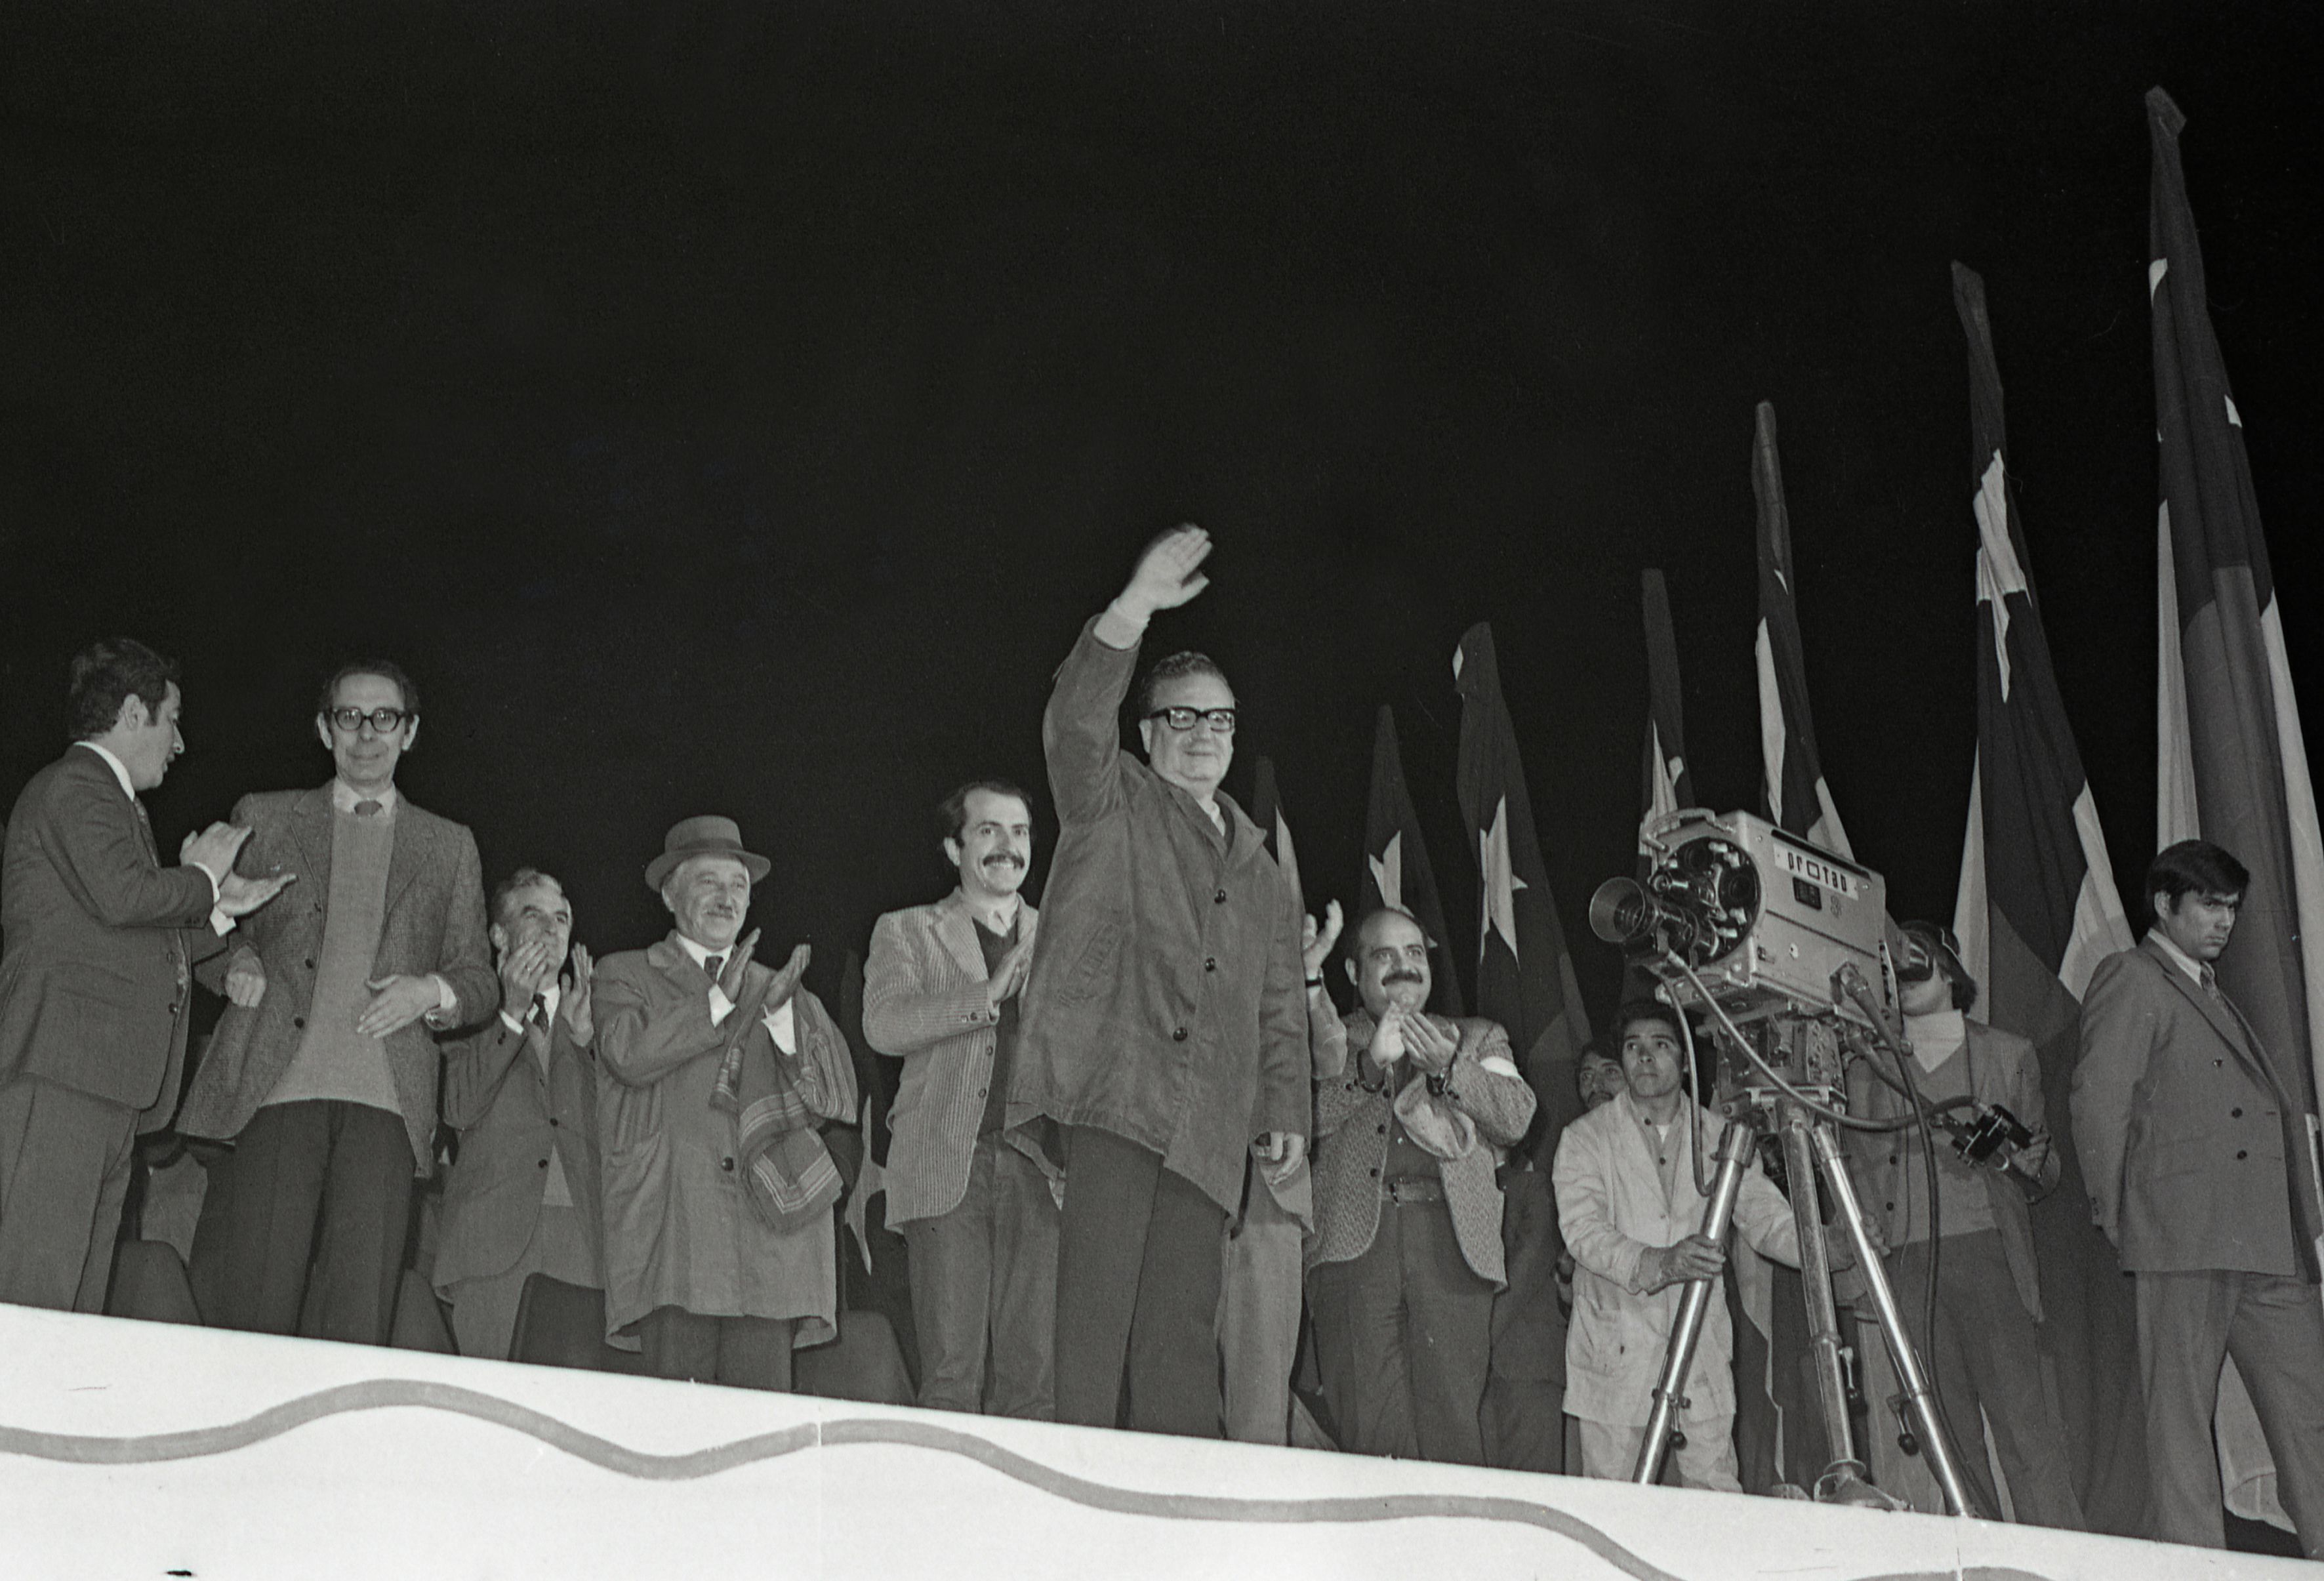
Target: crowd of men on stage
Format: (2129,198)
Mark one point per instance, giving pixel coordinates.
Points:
(1133,1138)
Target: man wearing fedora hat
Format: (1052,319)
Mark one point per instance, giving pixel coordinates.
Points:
(716,1072)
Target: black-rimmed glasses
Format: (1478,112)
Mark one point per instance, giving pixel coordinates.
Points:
(1221,721)
(385,721)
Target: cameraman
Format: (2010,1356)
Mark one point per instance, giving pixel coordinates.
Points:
(1986,1352)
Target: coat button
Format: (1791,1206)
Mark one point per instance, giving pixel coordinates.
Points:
(1891,1208)
(544,1163)
(311,965)
(1220,898)
(298,1021)
(552,1122)
(1178,1034)
(2242,1153)
(1211,964)
(1375,1174)
(2235,1114)
(727,1165)
(1381,1130)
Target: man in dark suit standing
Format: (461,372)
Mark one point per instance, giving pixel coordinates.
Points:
(323,1071)
(523,1093)
(94,987)
(2200,1155)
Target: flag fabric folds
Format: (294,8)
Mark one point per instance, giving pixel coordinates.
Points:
(1793,787)
(1666,784)
(1396,870)
(2036,910)
(1524,982)
(2231,765)
(1267,812)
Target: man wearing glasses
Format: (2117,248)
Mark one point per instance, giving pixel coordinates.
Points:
(323,1069)
(1165,1033)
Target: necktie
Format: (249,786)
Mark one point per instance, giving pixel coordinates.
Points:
(714,965)
(2211,985)
(368,809)
(146,830)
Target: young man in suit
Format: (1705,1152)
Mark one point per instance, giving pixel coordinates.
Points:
(715,1073)
(2199,1153)
(94,988)
(1987,1350)
(1406,1255)
(940,993)
(1166,1031)
(523,1093)
(323,1069)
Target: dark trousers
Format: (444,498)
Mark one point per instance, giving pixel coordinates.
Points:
(320,1183)
(743,1352)
(985,1282)
(1403,1337)
(1986,1357)
(1137,1291)
(2273,1326)
(1523,1415)
(64,1171)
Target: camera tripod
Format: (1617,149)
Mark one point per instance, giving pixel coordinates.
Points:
(1791,1091)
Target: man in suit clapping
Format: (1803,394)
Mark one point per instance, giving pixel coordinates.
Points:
(95,985)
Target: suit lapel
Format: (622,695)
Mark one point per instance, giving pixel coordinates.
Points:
(310,824)
(955,929)
(408,856)
(2221,1017)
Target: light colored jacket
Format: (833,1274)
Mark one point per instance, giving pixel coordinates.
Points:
(1352,1125)
(2194,1155)
(1166,1004)
(679,1229)
(434,922)
(923,1002)
(1612,1208)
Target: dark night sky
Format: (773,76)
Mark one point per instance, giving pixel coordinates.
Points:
(737,407)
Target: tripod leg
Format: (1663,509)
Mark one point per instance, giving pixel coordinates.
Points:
(1670,1391)
(1815,1282)
(1919,1397)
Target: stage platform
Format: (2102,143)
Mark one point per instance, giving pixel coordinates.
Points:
(147,1450)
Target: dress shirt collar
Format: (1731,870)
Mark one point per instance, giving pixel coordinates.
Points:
(345,796)
(2177,956)
(120,770)
(699,953)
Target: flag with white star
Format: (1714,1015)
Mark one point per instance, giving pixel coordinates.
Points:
(2036,912)
(1792,787)
(1396,870)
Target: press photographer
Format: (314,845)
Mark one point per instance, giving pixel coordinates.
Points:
(1969,1231)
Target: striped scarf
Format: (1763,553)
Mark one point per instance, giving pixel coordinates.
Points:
(777,1100)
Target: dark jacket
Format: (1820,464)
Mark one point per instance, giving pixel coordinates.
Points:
(509,1114)
(1166,1004)
(2195,1156)
(101,939)
(434,922)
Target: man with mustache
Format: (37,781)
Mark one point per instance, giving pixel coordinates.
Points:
(941,993)
(1165,1037)
(2199,1146)
(1407,1250)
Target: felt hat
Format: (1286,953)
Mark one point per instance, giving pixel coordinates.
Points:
(708,836)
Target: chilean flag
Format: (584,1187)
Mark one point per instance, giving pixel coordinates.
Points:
(1795,794)
(1396,871)
(2036,910)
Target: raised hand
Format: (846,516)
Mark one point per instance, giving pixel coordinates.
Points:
(213,850)
(523,971)
(1315,943)
(1431,1048)
(786,981)
(1169,572)
(239,896)
(396,1003)
(738,966)
(245,979)
(577,1007)
(1009,977)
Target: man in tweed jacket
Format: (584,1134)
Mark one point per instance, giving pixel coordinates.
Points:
(940,994)
(1407,1250)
